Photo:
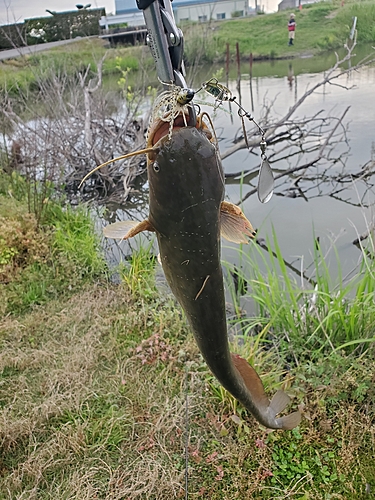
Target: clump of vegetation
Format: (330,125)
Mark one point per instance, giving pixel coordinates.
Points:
(318,316)
(45,251)
(365,14)
(18,76)
(138,274)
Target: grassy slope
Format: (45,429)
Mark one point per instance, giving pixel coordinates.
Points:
(322,26)
(92,406)
(267,35)
(25,72)
(92,410)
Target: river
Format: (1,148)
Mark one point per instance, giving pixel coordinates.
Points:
(301,216)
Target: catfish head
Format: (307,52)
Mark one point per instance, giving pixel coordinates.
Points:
(178,165)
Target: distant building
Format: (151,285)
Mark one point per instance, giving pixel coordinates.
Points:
(287,4)
(126,7)
(129,22)
(203,10)
(294,4)
(184,10)
(192,10)
(126,12)
(127,26)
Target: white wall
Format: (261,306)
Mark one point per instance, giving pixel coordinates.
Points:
(135,19)
(211,10)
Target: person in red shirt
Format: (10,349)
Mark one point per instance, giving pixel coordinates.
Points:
(291,28)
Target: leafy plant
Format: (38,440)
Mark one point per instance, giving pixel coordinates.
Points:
(323,316)
(39,259)
(75,239)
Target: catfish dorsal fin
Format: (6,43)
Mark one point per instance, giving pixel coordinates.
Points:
(125,229)
(252,382)
(234,224)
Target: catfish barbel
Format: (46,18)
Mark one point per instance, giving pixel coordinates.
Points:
(188,214)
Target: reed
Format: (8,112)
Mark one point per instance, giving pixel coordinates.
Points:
(312,318)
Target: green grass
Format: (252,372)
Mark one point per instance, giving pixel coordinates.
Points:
(365,12)
(320,27)
(138,273)
(92,400)
(18,76)
(314,320)
(45,248)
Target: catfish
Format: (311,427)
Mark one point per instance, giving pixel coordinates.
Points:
(188,213)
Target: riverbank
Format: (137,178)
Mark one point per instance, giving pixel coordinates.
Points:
(320,27)
(93,376)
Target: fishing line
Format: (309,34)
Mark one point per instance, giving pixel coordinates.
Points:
(187,430)
(221,93)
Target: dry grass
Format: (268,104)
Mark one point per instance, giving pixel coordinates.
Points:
(93,407)
(73,422)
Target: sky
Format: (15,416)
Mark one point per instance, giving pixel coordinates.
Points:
(17,10)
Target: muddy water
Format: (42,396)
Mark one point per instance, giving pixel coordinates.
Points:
(297,221)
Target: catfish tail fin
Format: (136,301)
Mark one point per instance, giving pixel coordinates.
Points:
(264,410)
(290,421)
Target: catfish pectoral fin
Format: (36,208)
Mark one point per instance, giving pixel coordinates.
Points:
(125,229)
(265,411)
(234,225)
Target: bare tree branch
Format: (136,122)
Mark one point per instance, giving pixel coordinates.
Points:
(333,74)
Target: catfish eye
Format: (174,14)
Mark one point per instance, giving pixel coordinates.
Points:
(156,167)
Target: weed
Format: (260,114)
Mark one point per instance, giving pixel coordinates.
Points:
(139,273)
(21,243)
(75,240)
(83,415)
(93,391)
(292,462)
(41,258)
(308,321)
(153,349)
(120,64)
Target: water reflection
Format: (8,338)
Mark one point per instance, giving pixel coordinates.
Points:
(322,158)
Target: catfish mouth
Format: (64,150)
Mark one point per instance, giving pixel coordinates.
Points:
(160,128)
